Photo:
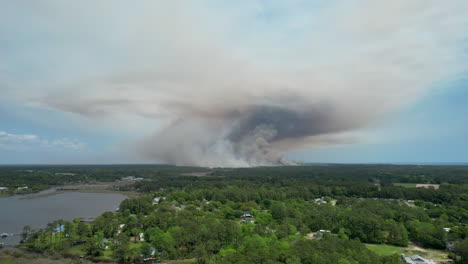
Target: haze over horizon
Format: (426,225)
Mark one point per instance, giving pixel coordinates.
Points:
(224,84)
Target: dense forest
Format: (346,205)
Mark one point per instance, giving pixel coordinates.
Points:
(301,214)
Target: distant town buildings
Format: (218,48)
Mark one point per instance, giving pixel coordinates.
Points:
(65,173)
(131,178)
(427,186)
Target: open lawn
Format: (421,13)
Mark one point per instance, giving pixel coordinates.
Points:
(385,250)
(406,185)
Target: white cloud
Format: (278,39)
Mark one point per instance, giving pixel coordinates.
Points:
(10,141)
(6,138)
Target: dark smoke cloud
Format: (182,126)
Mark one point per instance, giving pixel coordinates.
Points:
(242,138)
(285,122)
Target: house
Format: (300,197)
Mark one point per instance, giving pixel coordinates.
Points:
(317,235)
(138,238)
(119,230)
(156,200)
(323,200)
(3,188)
(22,188)
(247,214)
(416,259)
(59,229)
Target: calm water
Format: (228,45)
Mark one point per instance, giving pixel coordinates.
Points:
(16,213)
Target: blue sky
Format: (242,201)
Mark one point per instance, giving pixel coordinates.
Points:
(154,82)
(433,130)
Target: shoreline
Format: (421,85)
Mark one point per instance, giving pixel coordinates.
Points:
(129,194)
(91,187)
(78,187)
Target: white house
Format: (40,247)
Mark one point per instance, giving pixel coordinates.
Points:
(156,200)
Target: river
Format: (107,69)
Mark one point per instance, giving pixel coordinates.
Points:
(15,212)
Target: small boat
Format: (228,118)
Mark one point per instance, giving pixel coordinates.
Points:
(4,235)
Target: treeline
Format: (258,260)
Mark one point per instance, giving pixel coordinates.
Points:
(360,180)
(301,183)
(40,177)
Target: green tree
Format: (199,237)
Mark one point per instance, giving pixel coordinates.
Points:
(26,231)
(146,250)
(120,247)
(461,249)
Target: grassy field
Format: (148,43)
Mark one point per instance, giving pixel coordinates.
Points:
(24,258)
(385,250)
(75,251)
(184,261)
(406,185)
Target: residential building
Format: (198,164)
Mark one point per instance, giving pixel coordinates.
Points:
(416,259)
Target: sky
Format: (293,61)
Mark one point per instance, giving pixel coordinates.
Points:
(233,83)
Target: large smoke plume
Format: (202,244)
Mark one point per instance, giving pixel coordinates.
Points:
(242,84)
(245,137)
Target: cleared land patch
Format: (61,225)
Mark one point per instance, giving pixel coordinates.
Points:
(386,250)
